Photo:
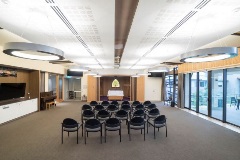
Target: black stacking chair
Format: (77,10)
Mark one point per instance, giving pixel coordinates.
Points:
(112,109)
(134,104)
(70,125)
(160,121)
(125,102)
(103,115)
(139,113)
(136,123)
(127,108)
(98,108)
(115,103)
(112,124)
(122,115)
(86,115)
(139,107)
(146,103)
(93,125)
(105,104)
(153,113)
(86,107)
(93,103)
(150,107)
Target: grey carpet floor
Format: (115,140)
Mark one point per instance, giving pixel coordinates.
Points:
(38,136)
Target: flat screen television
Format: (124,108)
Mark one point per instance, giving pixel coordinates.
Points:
(74,73)
(155,74)
(12,90)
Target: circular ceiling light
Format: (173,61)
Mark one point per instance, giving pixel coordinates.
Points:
(32,51)
(209,54)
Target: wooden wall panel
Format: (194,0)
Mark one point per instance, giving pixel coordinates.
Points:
(92,89)
(195,67)
(106,84)
(34,85)
(141,88)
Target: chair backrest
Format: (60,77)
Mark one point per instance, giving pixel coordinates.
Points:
(154,111)
(112,122)
(115,103)
(88,113)
(93,103)
(138,113)
(125,102)
(92,123)
(147,103)
(139,107)
(112,107)
(126,107)
(105,103)
(69,123)
(137,121)
(99,107)
(103,114)
(121,113)
(135,103)
(151,106)
(233,99)
(86,107)
(160,119)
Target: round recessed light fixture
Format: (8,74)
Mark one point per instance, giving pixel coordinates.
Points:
(209,54)
(32,51)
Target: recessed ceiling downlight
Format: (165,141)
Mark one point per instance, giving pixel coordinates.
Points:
(32,51)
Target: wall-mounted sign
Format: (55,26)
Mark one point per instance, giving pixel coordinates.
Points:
(7,72)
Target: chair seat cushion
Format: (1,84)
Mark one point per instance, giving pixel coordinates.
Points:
(113,128)
(72,129)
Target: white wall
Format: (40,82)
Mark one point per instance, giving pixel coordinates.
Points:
(153,88)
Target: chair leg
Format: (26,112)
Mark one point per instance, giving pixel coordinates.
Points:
(147,126)
(85,135)
(120,133)
(129,132)
(101,134)
(166,130)
(105,135)
(68,134)
(144,132)
(77,136)
(154,131)
(62,135)
(82,129)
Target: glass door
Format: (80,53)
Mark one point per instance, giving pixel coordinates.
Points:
(186,90)
(193,91)
(203,92)
(217,94)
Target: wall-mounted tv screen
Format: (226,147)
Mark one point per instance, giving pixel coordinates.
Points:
(74,73)
(155,74)
(12,90)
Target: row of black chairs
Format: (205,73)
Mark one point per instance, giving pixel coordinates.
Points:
(94,117)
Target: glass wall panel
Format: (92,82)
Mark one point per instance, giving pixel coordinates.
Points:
(169,86)
(52,83)
(217,94)
(203,92)
(233,96)
(193,90)
(186,90)
(60,87)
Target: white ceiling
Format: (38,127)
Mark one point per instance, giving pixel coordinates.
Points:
(84,29)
